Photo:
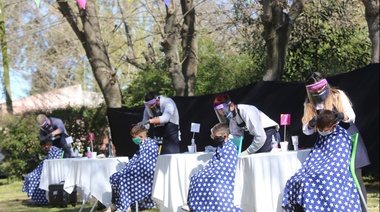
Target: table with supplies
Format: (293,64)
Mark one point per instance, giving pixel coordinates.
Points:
(259,184)
(90,175)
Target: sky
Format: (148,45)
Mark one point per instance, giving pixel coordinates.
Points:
(19,86)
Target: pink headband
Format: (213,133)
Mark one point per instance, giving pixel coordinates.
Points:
(218,107)
(316,85)
(150,102)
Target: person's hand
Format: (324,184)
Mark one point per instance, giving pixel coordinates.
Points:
(143,123)
(338,116)
(243,153)
(312,122)
(46,137)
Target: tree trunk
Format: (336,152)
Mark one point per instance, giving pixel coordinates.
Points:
(373,22)
(96,50)
(189,47)
(277,28)
(4,50)
(169,44)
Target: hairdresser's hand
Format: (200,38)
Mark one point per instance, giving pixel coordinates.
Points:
(312,122)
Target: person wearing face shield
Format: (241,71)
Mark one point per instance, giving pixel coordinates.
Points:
(324,181)
(134,183)
(32,179)
(212,188)
(161,112)
(320,96)
(53,128)
(243,117)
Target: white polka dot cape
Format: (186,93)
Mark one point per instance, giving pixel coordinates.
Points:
(324,182)
(32,180)
(135,181)
(212,188)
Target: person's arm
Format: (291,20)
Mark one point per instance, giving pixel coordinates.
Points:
(306,130)
(55,122)
(349,114)
(168,109)
(255,128)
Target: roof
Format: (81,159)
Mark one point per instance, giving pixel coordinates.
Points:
(72,96)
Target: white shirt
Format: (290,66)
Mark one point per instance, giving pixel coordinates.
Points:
(255,121)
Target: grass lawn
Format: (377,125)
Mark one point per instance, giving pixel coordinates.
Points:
(13,199)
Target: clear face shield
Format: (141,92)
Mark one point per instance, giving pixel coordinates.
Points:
(317,93)
(223,112)
(153,107)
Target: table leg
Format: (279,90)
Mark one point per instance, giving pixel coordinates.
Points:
(92,209)
(83,204)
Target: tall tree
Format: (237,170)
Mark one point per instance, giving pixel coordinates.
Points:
(278,25)
(372,11)
(89,33)
(4,50)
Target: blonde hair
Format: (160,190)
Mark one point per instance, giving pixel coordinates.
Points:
(137,130)
(41,118)
(333,99)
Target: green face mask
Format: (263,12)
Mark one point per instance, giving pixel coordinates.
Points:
(137,140)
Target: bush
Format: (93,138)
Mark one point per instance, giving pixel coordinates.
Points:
(19,136)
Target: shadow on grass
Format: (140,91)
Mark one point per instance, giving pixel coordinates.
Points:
(32,205)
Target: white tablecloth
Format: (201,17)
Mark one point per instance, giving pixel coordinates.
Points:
(261,178)
(91,175)
(259,184)
(172,178)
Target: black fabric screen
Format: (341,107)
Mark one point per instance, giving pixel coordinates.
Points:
(273,98)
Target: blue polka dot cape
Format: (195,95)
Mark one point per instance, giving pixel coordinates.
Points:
(324,181)
(135,181)
(32,180)
(212,188)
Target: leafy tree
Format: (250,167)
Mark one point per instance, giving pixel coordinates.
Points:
(326,39)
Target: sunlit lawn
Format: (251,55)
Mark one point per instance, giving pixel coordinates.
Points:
(13,199)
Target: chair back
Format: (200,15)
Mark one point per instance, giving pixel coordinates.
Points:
(354,140)
(238,142)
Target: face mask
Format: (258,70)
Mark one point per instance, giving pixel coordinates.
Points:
(325,133)
(137,140)
(321,96)
(218,140)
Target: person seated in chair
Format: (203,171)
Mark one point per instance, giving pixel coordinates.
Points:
(324,182)
(32,180)
(135,181)
(212,188)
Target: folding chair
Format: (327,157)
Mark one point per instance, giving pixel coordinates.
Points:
(238,142)
(354,139)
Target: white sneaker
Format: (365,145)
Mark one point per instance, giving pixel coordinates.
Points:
(185,208)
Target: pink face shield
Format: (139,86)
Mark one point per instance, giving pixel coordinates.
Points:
(318,92)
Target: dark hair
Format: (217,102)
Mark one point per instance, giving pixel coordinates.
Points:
(47,141)
(325,118)
(221,98)
(150,95)
(314,77)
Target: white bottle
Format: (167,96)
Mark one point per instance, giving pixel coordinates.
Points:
(274,142)
(89,153)
(194,145)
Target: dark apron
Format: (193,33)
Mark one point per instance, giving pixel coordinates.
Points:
(362,158)
(170,139)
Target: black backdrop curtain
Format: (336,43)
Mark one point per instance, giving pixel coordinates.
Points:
(273,98)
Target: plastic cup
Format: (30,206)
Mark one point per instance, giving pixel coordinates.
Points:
(93,154)
(284,146)
(295,142)
(191,149)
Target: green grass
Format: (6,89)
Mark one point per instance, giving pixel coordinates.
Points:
(13,199)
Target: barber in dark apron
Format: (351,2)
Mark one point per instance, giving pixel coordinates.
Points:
(161,113)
